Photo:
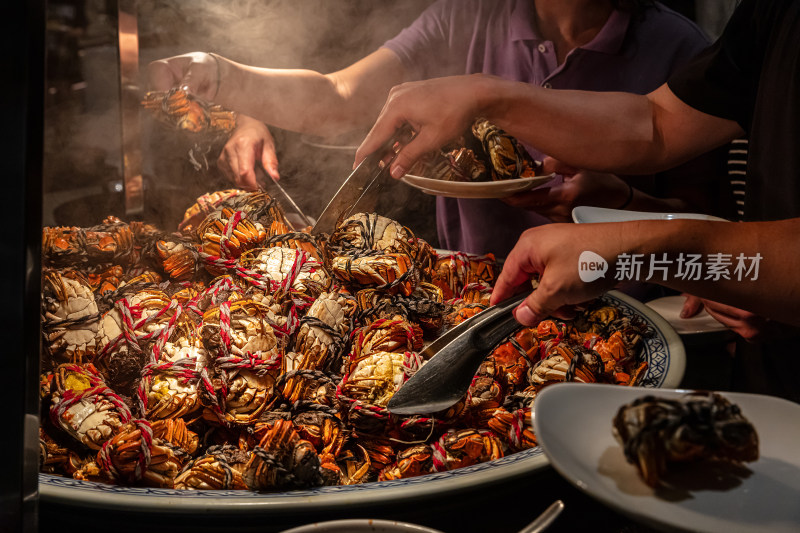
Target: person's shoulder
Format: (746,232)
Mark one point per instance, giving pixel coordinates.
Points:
(482,7)
(661,24)
(471,9)
(463,15)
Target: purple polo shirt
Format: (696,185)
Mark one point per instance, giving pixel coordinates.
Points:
(631,53)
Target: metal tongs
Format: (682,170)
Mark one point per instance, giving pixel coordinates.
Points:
(294,215)
(361,189)
(454,359)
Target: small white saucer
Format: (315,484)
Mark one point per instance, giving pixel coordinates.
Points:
(670,307)
(585,214)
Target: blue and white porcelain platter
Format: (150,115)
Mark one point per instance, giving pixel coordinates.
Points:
(663,351)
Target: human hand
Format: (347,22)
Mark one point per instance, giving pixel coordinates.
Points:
(438,110)
(749,326)
(553,252)
(197,71)
(250,144)
(579,187)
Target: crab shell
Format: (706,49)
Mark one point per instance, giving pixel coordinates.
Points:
(204,206)
(465,447)
(184,111)
(369,231)
(122,458)
(282,460)
(290,270)
(259,206)
(386,335)
(512,359)
(108,279)
(219,468)
(95,415)
(169,396)
(69,298)
(145,305)
(698,425)
(461,311)
(179,260)
(323,430)
(248,396)
(379,375)
(390,272)
(121,358)
(227,234)
(69,246)
(508,158)
(514,428)
(453,272)
(251,330)
(317,343)
(411,462)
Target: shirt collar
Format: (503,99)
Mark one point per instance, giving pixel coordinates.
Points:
(521,27)
(608,40)
(611,36)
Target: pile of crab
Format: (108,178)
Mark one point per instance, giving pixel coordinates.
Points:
(238,353)
(484,153)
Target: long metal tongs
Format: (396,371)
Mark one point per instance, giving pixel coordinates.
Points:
(294,215)
(454,359)
(360,190)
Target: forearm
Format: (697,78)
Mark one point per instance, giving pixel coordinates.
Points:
(773,290)
(307,101)
(600,131)
(610,131)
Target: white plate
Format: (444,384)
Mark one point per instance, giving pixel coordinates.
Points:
(585,214)
(764,496)
(477,189)
(362,525)
(670,307)
(663,351)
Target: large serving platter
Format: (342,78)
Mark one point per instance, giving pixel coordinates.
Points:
(663,351)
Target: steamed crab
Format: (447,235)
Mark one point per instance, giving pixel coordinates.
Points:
(186,112)
(71,316)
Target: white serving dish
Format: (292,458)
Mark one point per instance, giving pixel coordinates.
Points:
(760,496)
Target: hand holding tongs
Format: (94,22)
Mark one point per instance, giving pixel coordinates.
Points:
(361,189)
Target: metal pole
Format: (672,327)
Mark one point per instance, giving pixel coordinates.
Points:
(130,96)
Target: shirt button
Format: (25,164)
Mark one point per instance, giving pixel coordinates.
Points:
(547,85)
(542,48)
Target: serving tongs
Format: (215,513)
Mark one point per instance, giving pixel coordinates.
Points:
(360,191)
(453,360)
(294,215)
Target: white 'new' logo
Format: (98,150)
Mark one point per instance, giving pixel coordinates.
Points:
(591,267)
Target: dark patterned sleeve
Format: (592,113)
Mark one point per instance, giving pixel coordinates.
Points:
(722,80)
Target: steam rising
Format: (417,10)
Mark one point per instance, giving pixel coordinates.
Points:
(322,35)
